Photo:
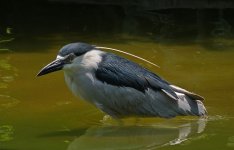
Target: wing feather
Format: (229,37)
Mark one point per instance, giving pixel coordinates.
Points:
(119,71)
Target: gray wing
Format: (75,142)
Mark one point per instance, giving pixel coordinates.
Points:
(118,71)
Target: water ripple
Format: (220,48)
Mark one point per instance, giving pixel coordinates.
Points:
(7,101)
(6,133)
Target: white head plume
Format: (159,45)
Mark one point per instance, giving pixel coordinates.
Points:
(117,50)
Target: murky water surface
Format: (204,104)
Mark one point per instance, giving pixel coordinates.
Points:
(42,114)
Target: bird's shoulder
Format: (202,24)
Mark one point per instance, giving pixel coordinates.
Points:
(116,70)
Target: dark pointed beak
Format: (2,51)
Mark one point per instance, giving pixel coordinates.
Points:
(55,65)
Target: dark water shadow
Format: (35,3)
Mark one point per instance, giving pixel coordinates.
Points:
(62,23)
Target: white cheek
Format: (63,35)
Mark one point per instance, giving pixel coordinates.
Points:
(88,61)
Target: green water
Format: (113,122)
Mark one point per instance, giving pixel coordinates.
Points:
(42,114)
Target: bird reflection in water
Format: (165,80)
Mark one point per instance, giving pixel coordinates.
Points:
(138,137)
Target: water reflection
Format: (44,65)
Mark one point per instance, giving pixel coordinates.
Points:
(8,74)
(6,133)
(137,137)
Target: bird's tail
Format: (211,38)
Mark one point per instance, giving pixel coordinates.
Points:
(188,106)
(189,103)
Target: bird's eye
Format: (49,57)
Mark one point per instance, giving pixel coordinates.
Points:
(70,58)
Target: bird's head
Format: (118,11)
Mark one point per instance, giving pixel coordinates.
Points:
(66,56)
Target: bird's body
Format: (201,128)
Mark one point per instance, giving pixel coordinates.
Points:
(122,88)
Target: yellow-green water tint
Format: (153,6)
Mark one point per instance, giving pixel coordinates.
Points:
(42,114)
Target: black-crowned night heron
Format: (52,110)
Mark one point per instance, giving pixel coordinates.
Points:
(119,87)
